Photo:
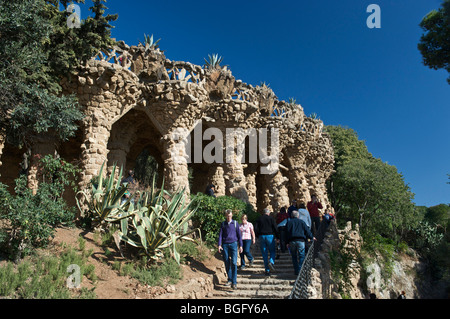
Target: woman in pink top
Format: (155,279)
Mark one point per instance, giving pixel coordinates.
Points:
(248,237)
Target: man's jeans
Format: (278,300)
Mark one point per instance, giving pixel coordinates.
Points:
(229,254)
(297,249)
(267,245)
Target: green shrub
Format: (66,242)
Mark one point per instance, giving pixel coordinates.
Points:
(45,277)
(210,214)
(31,219)
(167,270)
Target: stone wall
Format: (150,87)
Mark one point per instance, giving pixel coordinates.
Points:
(135,98)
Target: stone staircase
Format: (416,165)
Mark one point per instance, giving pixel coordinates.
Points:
(252,283)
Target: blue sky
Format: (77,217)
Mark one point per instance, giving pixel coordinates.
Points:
(322,54)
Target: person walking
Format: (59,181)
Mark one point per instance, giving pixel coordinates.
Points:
(297,233)
(281,220)
(248,238)
(267,232)
(292,207)
(229,240)
(313,208)
(303,214)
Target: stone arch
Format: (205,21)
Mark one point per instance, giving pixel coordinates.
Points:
(201,172)
(130,135)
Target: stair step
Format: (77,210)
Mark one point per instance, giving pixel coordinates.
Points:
(252,294)
(266,281)
(252,283)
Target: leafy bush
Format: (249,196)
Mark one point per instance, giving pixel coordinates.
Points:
(425,237)
(30,219)
(209,214)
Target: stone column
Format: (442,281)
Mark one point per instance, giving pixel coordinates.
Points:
(263,193)
(297,174)
(94,151)
(117,155)
(251,188)
(176,170)
(278,191)
(235,180)
(216,177)
(233,167)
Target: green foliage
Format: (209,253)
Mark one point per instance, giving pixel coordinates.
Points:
(30,102)
(346,145)
(374,194)
(37,50)
(210,214)
(152,275)
(158,222)
(368,191)
(149,43)
(69,47)
(105,198)
(213,61)
(32,218)
(44,277)
(439,215)
(425,237)
(434,44)
(146,168)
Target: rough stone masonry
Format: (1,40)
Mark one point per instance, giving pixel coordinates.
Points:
(134,98)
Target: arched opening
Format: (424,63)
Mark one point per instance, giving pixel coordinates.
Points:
(202,170)
(135,144)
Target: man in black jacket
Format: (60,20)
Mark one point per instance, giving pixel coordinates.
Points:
(297,232)
(267,232)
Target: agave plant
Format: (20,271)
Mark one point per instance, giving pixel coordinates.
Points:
(314,116)
(149,43)
(104,200)
(158,223)
(213,61)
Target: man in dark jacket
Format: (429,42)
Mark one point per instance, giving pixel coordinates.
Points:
(297,232)
(267,232)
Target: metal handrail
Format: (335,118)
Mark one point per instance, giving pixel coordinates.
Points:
(300,288)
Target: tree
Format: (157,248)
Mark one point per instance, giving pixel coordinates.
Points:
(366,190)
(346,144)
(435,42)
(439,214)
(374,194)
(38,49)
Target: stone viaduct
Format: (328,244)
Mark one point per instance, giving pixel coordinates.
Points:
(134,98)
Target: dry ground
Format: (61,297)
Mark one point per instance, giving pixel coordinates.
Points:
(110,285)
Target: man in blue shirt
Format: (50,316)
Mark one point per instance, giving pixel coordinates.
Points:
(297,232)
(229,239)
